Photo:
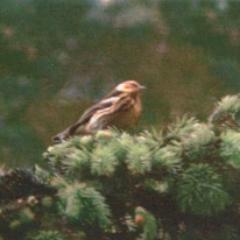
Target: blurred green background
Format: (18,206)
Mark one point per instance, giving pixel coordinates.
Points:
(59,56)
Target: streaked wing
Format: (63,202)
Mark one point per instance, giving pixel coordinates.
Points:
(87,115)
(92,110)
(124,104)
(99,116)
(103,117)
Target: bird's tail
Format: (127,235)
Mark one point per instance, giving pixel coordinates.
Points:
(69,132)
(60,137)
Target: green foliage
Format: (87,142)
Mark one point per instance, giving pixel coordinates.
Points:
(84,206)
(182,127)
(48,235)
(200,191)
(153,138)
(227,112)
(41,174)
(180,183)
(229,104)
(149,224)
(156,186)
(103,161)
(26,216)
(103,158)
(138,158)
(126,140)
(78,161)
(228,232)
(197,142)
(195,137)
(230,148)
(77,158)
(168,157)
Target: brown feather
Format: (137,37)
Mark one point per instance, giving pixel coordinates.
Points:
(118,109)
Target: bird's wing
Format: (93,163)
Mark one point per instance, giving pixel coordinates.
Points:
(103,117)
(98,116)
(124,104)
(92,110)
(89,113)
(83,120)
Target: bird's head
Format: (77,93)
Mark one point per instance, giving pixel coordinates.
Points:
(130,86)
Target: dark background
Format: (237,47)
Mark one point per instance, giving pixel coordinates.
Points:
(57,57)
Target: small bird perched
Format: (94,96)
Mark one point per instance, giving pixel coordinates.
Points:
(121,108)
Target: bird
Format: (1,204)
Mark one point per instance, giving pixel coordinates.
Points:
(121,108)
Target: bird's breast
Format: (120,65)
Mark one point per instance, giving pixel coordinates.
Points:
(128,118)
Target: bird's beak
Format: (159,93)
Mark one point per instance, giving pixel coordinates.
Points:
(141,87)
